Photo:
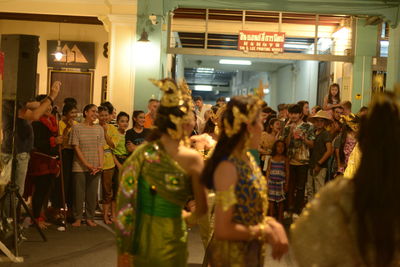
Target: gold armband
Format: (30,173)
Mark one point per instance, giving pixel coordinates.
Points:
(226,199)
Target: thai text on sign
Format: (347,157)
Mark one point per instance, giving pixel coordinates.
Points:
(261,41)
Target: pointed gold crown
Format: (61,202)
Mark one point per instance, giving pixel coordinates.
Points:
(176,95)
(252,111)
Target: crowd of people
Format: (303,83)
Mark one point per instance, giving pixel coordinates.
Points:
(244,167)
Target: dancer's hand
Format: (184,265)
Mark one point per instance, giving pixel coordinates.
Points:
(275,235)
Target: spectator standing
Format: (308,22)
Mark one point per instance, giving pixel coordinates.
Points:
(138,134)
(69,114)
(277,177)
(87,139)
(111,138)
(299,137)
(120,154)
(320,153)
(150,116)
(305,108)
(43,165)
(201,110)
(221,101)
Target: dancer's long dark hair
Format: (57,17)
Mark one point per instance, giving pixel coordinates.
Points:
(226,145)
(163,122)
(377,182)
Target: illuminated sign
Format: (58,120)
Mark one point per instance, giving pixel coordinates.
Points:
(254,41)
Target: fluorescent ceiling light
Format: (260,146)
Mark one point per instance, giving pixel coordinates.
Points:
(297,46)
(235,62)
(205,70)
(204,88)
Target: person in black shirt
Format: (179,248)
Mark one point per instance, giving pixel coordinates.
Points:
(138,134)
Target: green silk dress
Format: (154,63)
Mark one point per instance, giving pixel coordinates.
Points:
(153,191)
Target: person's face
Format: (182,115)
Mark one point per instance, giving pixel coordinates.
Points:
(264,116)
(48,110)
(220,103)
(306,109)
(91,114)
(283,113)
(255,130)
(198,103)
(140,119)
(189,124)
(276,127)
(153,106)
(280,148)
(104,117)
(313,111)
(319,123)
(123,123)
(72,114)
(334,90)
(337,113)
(294,117)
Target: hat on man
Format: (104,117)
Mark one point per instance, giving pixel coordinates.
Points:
(322,114)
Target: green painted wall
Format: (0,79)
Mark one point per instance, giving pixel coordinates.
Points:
(365,49)
(151,56)
(393,65)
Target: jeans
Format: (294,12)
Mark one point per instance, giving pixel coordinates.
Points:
(297,184)
(21,168)
(315,182)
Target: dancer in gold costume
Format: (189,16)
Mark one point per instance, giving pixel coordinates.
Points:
(241,227)
(155,183)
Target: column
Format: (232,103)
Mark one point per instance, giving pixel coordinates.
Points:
(121,78)
(365,48)
(393,65)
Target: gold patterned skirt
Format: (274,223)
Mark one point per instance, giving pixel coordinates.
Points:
(222,253)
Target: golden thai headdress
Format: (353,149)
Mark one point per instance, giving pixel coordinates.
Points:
(176,95)
(252,112)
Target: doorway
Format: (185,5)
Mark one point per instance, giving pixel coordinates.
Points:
(78,85)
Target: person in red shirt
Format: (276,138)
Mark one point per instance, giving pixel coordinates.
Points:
(151,114)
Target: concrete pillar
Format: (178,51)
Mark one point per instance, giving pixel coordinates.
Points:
(393,64)
(121,78)
(365,49)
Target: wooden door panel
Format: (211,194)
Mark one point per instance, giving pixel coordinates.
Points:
(74,84)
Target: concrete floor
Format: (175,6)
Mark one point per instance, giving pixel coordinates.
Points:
(94,246)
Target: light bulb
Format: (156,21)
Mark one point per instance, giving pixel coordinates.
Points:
(58,56)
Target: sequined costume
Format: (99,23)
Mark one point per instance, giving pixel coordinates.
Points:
(249,197)
(153,191)
(325,233)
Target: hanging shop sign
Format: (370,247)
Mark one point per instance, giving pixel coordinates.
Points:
(74,54)
(254,41)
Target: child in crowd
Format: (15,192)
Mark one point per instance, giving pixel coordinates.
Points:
(332,100)
(111,138)
(277,176)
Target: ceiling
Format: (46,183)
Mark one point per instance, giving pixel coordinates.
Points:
(206,70)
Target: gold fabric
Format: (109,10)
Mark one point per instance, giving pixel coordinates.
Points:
(250,209)
(325,233)
(226,199)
